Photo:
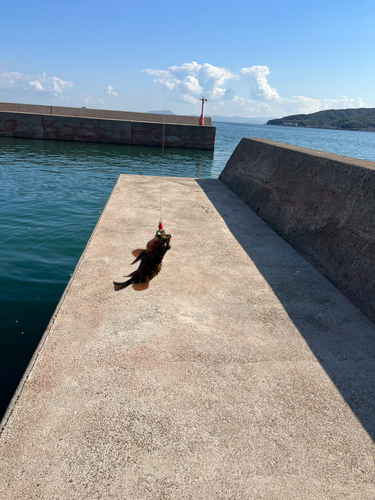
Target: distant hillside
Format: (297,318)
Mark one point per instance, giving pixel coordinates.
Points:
(342,119)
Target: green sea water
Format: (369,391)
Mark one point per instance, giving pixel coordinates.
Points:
(51,196)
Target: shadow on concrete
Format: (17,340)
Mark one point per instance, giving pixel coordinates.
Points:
(340,336)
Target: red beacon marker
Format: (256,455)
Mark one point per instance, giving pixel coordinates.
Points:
(201,119)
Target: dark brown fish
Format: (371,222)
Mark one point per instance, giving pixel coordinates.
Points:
(151,258)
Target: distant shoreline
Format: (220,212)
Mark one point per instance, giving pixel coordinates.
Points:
(355,120)
(370,129)
(292,126)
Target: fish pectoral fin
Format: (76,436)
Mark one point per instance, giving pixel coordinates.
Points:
(137,252)
(130,275)
(139,257)
(140,286)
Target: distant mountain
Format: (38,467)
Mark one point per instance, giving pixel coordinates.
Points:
(163,112)
(343,119)
(239,119)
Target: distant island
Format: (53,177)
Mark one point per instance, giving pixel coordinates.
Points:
(362,119)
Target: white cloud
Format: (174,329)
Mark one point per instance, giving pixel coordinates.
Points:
(192,84)
(188,82)
(256,77)
(189,99)
(37,85)
(18,83)
(165,78)
(92,101)
(110,91)
(306,105)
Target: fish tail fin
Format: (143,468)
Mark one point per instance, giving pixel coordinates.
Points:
(120,286)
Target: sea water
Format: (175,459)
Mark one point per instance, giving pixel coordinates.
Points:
(52,194)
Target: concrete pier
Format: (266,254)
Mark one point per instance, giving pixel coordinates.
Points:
(242,373)
(32,121)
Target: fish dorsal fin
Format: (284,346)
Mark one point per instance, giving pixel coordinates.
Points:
(140,286)
(137,252)
(130,275)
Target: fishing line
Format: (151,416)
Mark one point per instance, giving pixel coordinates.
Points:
(161,177)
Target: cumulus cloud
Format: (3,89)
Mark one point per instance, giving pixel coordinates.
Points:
(110,91)
(260,89)
(18,83)
(37,85)
(306,105)
(188,82)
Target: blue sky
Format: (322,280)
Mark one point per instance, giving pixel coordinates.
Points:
(249,59)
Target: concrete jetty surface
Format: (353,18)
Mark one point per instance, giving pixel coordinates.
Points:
(241,373)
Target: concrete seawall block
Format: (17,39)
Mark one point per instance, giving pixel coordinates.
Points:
(107,126)
(322,204)
(87,130)
(177,135)
(29,126)
(147,134)
(25,108)
(102,113)
(148,117)
(92,113)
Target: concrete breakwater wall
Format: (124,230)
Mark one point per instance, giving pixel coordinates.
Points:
(322,204)
(94,125)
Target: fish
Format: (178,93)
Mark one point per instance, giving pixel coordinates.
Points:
(150,262)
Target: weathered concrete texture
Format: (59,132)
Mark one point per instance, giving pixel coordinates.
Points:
(175,135)
(66,128)
(322,204)
(26,108)
(102,113)
(241,373)
(27,126)
(83,129)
